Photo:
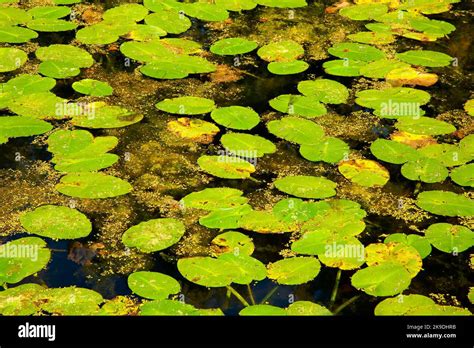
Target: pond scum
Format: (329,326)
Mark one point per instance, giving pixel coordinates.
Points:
(238,157)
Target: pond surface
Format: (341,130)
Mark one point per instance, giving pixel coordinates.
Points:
(162,166)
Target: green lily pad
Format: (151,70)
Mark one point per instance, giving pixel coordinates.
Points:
(330,150)
(93,87)
(177,67)
(226,167)
(393,152)
(306,186)
(13,16)
(344,67)
(207,271)
(421,244)
(296,130)
(233,46)
(282,3)
(56,222)
(425,169)
(326,91)
(105,116)
(21,258)
(425,58)
(58,69)
(214,198)
(248,269)
(78,151)
(469,107)
(356,52)
(154,235)
(364,12)
(236,117)
(92,185)
(224,218)
(50,25)
(425,126)
(463,175)
(237,5)
(167,308)
(418,305)
(282,51)
(13,34)
(247,145)
(298,105)
(21,126)
(294,270)
(447,154)
(153,285)
(266,222)
(262,309)
(66,54)
(288,68)
(144,32)
(11,59)
(209,12)
(386,279)
(193,129)
(186,105)
(170,20)
(232,242)
(445,203)
(17,300)
(393,101)
(345,254)
(300,308)
(394,253)
(380,68)
(450,238)
(136,12)
(52,12)
(364,172)
(295,210)
(69,301)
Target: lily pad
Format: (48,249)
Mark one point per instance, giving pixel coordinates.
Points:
(170,20)
(207,271)
(11,59)
(425,169)
(282,3)
(17,300)
(266,222)
(326,91)
(56,222)
(105,116)
(397,101)
(463,175)
(425,58)
(248,269)
(154,235)
(421,244)
(296,130)
(92,186)
(425,126)
(58,69)
(186,105)
(356,52)
(298,105)
(364,172)
(364,12)
(306,186)
(224,218)
(300,308)
(394,253)
(380,68)
(209,12)
(344,67)
(21,258)
(330,150)
(13,34)
(450,238)
(153,285)
(177,67)
(68,54)
(226,167)
(194,129)
(386,279)
(53,12)
(136,12)
(50,25)
(295,210)
(288,68)
(21,126)
(167,308)
(370,37)
(232,242)
(93,87)
(393,152)
(294,270)
(214,198)
(247,145)
(282,51)
(69,301)
(233,46)
(262,309)
(236,117)
(445,203)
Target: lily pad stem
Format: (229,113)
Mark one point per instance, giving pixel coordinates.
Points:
(270,294)
(345,304)
(336,287)
(239,297)
(252,299)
